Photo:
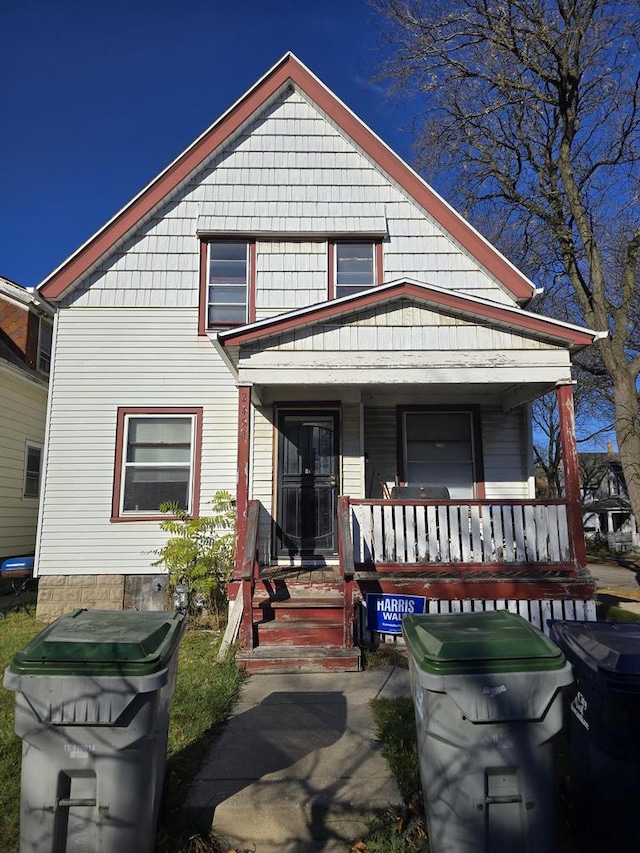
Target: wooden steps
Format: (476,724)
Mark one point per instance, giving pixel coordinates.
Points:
(299,627)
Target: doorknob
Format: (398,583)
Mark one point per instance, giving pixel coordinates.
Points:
(334,481)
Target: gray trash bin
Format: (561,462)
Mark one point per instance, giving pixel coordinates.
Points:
(93,692)
(486,691)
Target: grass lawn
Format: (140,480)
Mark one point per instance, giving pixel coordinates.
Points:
(205,691)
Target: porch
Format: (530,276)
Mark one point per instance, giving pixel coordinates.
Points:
(457,556)
(342,404)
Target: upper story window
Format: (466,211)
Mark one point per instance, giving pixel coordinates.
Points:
(32,469)
(355,268)
(45,342)
(157,461)
(227,283)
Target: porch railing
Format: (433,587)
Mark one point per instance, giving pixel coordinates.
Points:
(478,534)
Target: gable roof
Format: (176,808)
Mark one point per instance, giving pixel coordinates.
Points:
(288,71)
(465,306)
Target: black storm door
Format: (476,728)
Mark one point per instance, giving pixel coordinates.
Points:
(307,483)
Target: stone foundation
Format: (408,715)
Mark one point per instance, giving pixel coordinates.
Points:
(58,594)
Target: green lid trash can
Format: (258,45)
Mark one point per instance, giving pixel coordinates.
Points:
(487,701)
(93,692)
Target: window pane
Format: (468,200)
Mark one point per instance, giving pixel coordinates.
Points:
(227,314)
(165,430)
(166,454)
(426,426)
(224,294)
(341,290)
(438,451)
(354,264)
(145,489)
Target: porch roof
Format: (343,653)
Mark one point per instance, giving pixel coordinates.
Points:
(406,332)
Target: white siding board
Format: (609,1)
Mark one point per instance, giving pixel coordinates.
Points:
(93,377)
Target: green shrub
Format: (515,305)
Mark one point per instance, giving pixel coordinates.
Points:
(199,554)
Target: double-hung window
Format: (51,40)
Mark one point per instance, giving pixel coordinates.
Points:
(227,283)
(32,469)
(157,457)
(355,267)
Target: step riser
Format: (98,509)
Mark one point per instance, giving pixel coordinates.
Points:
(298,634)
(293,614)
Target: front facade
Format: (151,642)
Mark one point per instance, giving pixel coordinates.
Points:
(290,313)
(26,325)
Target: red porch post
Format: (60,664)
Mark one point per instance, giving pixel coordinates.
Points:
(564,394)
(242,483)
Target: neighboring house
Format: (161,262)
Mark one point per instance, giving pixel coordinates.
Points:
(26,326)
(606,508)
(289,312)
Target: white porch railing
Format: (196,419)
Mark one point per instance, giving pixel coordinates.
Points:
(475,533)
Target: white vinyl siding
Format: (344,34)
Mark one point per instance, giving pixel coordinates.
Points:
(107,359)
(23,404)
(290,171)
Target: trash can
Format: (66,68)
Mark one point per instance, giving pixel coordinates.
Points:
(487,700)
(93,692)
(604,731)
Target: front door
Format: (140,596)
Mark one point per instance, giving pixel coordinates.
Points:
(307,483)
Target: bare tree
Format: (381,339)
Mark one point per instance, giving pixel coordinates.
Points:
(532,121)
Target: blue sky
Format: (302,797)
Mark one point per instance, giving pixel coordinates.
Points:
(97,98)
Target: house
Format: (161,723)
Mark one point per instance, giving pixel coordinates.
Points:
(291,313)
(605,501)
(26,324)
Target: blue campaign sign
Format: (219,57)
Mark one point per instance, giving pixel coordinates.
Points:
(385,611)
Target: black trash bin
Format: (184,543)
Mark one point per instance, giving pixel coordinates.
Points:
(604,732)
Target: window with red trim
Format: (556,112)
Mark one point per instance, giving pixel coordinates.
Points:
(227,282)
(157,460)
(354,266)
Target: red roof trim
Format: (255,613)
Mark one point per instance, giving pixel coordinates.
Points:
(289,69)
(386,293)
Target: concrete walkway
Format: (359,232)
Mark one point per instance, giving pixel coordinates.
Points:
(298,767)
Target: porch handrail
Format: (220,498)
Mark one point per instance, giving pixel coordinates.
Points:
(478,534)
(347,567)
(249,571)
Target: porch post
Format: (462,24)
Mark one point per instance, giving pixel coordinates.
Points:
(564,395)
(242,483)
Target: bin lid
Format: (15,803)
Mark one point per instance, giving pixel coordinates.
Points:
(102,642)
(483,642)
(17,564)
(605,652)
